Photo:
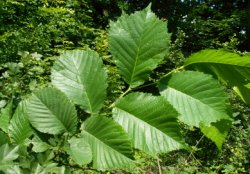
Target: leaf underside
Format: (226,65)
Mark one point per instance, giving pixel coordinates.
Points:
(138,44)
(150,121)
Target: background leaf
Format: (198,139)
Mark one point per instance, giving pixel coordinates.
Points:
(110,145)
(20,128)
(151,123)
(50,111)
(80,75)
(79,151)
(138,44)
(7,155)
(5,117)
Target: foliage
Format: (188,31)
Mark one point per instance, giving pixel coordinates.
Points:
(44,27)
(49,134)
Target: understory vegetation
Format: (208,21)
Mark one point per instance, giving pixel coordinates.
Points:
(124,87)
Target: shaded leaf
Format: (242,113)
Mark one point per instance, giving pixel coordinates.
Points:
(80,75)
(150,121)
(138,44)
(217,132)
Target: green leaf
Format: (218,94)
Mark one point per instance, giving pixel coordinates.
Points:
(196,96)
(110,145)
(3,138)
(230,68)
(243,92)
(138,44)
(20,128)
(80,75)
(38,145)
(150,121)
(80,151)
(50,111)
(217,132)
(7,155)
(5,117)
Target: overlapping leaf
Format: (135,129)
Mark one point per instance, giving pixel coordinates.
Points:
(7,155)
(150,121)
(196,96)
(50,111)
(228,67)
(80,151)
(138,43)
(20,128)
(80,75)
(110,145)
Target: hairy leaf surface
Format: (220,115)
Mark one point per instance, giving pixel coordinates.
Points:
(150,121)
(196,96)
(50,111)
(20,128)
(138,43)
(80,75)
(110,145)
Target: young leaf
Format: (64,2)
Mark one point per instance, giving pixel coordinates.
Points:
(196,96)
(50,111)
(138,44)
(20,128)
(80,75)
(5,117)
(229,67)
(79,151)
(110,145)
(150,121)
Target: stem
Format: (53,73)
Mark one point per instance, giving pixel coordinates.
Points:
(159,165)
(123,94)
(191,153)
(168,74)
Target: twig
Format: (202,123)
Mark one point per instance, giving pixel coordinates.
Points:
(123,94)
(159,165)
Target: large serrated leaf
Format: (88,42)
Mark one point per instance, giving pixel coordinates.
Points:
(138,44)
(150,121)
(110,145)
(80,75)
(20,128)
(196,96)
(50,111)
(230,68)
(5,116)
